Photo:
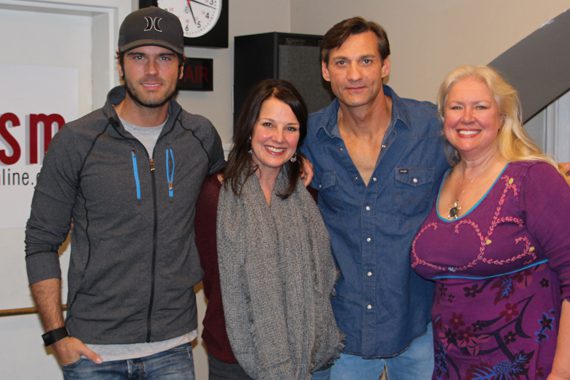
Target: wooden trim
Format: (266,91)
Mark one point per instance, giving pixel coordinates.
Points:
(21,311)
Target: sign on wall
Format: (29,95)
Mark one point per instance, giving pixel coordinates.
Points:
(198,75)
(35,101)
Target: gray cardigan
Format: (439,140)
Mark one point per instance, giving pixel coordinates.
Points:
(133,258)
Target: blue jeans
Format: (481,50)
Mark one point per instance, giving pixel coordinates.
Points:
(416,362)
(174,364)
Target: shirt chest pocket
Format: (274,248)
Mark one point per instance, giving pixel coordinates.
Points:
(413,189)
(330,199)
(326,181)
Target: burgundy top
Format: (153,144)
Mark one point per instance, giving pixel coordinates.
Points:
(500,272)
(214,333)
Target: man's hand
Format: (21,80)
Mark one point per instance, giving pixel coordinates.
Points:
(69,350)
(307,172)
(565,167)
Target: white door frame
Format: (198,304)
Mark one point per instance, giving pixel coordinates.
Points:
(106,16)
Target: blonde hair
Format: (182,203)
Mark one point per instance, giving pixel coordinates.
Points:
(513,141)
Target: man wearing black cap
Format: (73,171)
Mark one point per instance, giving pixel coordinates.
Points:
(126,178)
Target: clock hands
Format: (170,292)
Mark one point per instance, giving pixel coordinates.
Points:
(204,4)
(191,11)
(198,17)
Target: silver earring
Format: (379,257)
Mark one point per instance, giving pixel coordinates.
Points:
(294,157)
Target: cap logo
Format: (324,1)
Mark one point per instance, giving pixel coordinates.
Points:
(153,23)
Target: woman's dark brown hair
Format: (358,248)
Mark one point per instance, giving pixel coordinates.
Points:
(240,165)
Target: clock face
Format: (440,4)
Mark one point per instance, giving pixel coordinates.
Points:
(198,17)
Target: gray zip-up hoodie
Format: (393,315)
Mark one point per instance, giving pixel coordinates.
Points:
(133,258)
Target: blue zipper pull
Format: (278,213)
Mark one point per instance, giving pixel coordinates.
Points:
(169,172)
(136,175)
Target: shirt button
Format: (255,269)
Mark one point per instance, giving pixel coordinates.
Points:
(383,146)
(369,274)
(341,149)
(369,307)
(368,239)
(356,178)
(374,179)
(414,180)
(367,208)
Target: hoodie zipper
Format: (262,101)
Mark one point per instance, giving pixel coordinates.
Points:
(154,240)
(170,180)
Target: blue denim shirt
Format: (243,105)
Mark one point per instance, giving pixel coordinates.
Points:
(379,302)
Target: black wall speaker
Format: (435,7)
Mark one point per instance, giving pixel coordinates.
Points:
(288,56)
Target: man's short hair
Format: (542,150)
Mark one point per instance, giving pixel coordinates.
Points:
(340,32)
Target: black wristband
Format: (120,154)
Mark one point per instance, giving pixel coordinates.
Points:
(54,335)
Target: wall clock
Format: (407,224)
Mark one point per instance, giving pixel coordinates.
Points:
(205,22)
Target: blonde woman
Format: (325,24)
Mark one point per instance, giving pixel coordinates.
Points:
(496,242)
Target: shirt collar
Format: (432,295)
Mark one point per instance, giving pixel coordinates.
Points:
(399,112)
(329,121)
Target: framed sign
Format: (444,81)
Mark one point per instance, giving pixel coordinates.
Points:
(198,75)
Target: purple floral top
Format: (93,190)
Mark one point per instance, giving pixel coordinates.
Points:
(500,272)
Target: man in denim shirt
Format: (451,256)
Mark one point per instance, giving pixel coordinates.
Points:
(378,160)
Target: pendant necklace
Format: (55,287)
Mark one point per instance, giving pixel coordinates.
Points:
(485,170)
(456,207)
(454,210)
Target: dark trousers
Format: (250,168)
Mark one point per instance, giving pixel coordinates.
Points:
(220,370)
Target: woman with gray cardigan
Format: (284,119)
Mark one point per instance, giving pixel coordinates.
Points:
(268,269)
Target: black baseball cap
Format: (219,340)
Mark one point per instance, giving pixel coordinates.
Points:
(151,26)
